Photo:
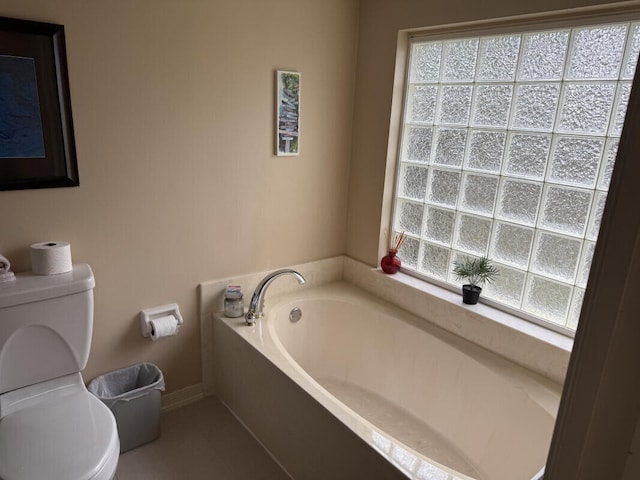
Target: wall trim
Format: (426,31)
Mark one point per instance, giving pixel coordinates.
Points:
(181,398)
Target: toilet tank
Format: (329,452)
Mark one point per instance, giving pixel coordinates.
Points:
(45,326)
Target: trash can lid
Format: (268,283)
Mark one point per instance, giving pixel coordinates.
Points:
(63,437)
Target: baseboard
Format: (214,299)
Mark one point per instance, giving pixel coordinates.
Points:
(181,398)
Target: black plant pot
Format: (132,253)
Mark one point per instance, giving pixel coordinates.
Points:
(470,295)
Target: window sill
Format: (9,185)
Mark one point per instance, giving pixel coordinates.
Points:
(532,346)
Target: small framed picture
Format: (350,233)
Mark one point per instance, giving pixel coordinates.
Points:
(287,113)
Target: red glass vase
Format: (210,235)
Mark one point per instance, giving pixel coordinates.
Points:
(390,263)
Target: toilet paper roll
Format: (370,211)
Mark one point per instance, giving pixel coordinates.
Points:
(51,258)
(163,327)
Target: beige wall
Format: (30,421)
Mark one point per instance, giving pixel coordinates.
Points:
(173,105)
(380,21)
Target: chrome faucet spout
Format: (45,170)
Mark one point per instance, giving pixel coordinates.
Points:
(257,299)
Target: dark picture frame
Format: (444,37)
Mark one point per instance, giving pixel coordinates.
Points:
(37,143)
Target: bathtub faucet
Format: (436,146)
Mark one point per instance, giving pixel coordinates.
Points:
(257,300)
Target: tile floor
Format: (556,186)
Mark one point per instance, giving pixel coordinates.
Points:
(200,441)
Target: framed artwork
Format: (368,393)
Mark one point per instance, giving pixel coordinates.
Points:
(37,144)
(288,113)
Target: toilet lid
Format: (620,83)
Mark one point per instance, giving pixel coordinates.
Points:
(69,437)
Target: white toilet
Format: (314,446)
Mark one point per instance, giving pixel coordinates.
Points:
(51,427)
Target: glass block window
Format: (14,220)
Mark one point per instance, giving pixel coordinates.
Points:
(507,148)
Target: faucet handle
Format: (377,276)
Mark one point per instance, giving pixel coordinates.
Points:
(250,318)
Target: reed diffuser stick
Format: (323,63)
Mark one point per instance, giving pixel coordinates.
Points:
(397,241)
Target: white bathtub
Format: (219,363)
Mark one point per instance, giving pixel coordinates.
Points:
(434,405)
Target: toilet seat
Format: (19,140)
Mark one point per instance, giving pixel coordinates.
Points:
(65,433)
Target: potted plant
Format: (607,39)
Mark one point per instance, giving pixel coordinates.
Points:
(477,272)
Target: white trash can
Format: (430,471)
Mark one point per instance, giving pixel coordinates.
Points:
(133,395)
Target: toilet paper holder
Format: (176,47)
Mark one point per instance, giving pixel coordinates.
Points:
(156,312)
